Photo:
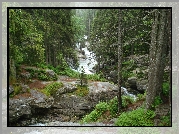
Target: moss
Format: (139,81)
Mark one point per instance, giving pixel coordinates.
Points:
(52,88)
(81,91)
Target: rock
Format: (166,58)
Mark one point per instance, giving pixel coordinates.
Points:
(142,85)
(51,74)
(41,100)
(11,89)
(25,75)
(18,108)
(25,88)
(113,76)
(132,81)
(66,89)
(101,91)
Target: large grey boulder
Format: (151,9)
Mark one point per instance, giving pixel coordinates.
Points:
(101,91)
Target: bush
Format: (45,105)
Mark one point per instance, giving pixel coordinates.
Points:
(52,88)
(165,88)
(138,117)
(113,106)
(96,113)
(101,107)
(157,101)
(126,100)
(81,91)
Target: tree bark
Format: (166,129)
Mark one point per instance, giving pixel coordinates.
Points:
(158,57)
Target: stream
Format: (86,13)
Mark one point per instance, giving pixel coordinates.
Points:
(88,63)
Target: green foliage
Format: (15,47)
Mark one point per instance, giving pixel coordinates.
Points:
(157,101)
(95,77)
(138,117)
(40,74)
(101,107)
(165,121)
(165,88)
(126,100)
(96,113)
(52,88)
(141,96)
(34,54)
(92,117)
(17,89)
(113,106)
(81,91)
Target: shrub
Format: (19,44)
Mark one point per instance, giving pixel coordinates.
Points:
(126,100)
(52,88)
(113,106)
(81,91)
(165,88)
(92,117)
(96,113)
(138,117)
(157,101)
(101,107)
(165,121)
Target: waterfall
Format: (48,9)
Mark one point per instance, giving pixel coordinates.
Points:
(127,93)
(88,60)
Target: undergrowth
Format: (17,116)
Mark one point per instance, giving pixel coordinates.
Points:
(52,88)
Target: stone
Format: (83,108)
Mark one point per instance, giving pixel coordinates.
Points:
(51,74)
(18,108)
(132,81)
(25,88)
(11,89)
(142,85)
(41,100)
(66,89)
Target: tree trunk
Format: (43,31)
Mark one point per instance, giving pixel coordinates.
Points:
(119,61)
(157,57)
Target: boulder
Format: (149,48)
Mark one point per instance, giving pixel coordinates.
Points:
(101,91)
(41,100)
(142,85)
(51,74)
(18,108)
(131,82)
(66,89)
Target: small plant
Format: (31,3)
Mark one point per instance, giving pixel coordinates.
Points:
(52,88)
(113,106)
(81,91)
(157,101)
(138,117)
(165,88)
(126,100)
(96,113)
(141,96)
(101,107)
(165,121)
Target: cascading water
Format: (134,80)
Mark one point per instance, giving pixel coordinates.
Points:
(128,94)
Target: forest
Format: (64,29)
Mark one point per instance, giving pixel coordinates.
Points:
(92,67)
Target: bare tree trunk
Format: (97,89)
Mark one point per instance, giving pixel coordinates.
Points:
(157,57)
(119,61)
